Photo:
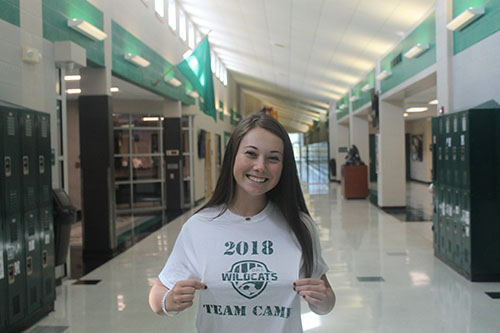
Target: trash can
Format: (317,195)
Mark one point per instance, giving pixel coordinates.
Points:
(64,218)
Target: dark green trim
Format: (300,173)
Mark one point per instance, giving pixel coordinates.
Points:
(10,11)
(484,27)
(425,33)
(146,77)
(56,14)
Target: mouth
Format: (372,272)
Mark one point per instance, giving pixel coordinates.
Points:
(257,179)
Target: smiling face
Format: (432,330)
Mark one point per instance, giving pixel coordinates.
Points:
(258,164)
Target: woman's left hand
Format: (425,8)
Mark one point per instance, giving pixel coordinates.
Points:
(317,292)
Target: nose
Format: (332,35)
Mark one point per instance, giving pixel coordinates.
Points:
(259,164)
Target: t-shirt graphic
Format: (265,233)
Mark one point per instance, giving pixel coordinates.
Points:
(248,266)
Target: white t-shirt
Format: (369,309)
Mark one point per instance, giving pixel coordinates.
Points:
(249,267)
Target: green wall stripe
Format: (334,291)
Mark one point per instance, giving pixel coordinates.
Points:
(343,113)
(425,33)
(124,42)
(10,11)
(56,14)
(485,26)
(364,97)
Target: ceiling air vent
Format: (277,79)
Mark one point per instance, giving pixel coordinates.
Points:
(397,59)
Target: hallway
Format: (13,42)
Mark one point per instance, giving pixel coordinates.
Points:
(383,271)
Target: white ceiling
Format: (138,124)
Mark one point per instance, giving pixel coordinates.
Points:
(303,54)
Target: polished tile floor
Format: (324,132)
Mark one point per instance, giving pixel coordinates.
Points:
(381,268)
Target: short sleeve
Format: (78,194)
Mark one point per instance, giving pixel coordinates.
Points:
(181,264)
(319,265)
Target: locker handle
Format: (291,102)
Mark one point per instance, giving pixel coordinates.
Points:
(29,265)
(26,165)
(12,276)
(41,164)
(45,261)
(7,166)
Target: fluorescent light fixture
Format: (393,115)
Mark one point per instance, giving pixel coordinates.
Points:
(73,91)
(87,29)
(353,98)
(384,75)
(72,77)
(465,18)
(343,106)
(434,102)
(417,50)
(150,118)
(417,109)
(136,60)
(193,93)
(173,81)
(366,87)
(114,89)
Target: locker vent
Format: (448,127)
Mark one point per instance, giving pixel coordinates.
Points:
(46,220)
(45,127)
(31,227)
(13,202)
(28,127)
(11,125)
(16,306)
(45,193)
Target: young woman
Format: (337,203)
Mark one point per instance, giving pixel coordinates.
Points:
(252,251)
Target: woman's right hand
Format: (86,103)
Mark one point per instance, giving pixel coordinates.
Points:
(182,294)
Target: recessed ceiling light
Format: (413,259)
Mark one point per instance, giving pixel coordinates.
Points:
(73,91)
(72,77)
(434,102)
(114,89)
(417,109)
(405,114)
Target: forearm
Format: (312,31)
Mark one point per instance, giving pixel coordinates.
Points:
(156,296)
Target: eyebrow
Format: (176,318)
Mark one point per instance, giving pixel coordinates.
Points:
(272,151)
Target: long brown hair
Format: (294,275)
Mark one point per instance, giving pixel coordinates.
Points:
(287,194)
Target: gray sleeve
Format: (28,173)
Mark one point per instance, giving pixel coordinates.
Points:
(319,265)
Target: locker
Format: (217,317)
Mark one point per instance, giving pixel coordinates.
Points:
(10,215)
(42,136)
(466,168)
(3,279)
(30,200)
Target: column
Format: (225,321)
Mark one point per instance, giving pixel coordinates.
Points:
(444,55)
(391,183)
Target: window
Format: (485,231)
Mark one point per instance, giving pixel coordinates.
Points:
(159,7)
(198,37)
(212,62)
(182,25)
(172,15)
(191,41)
(225,77)
(217,68)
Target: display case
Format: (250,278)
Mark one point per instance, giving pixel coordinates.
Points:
(187,162)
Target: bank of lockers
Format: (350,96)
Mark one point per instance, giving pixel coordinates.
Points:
(27,280)
(466,177)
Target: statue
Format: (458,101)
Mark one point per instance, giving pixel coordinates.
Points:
(353,157)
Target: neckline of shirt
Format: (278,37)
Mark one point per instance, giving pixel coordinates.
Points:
(259,217)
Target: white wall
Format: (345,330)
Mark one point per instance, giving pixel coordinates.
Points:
(421,170)
(476,74)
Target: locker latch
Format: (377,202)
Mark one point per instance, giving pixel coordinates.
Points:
(26,165)
(29,265)
(41,164)
(12,276)
(7,166)
(45,259)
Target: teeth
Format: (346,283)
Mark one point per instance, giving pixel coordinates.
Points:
(257,180)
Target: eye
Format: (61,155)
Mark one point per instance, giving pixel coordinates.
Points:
(274,158)
(250,153)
